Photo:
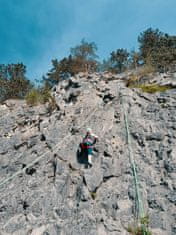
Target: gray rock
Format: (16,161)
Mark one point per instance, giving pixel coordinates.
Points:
(172,197)
(93,179)
(155,136)
(57,194)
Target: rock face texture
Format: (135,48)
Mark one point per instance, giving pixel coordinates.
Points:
(51,192)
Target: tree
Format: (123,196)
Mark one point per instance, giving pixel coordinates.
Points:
(135,59)
(58,71)
(106,65)
(81,59)
(119,59)
(157,48)
(148,41)
(85,55)
(13,82)
(165,54)
(62,69)
(85,51)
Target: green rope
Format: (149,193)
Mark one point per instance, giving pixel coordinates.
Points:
(133,165)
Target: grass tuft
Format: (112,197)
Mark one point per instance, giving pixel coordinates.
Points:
(93,195)
(140,228)
(41,96)
(153,88)
(34,97)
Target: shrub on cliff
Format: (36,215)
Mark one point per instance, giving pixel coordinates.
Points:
(38,96)
(34,97)
(41,96)
(13,82)
(82,58)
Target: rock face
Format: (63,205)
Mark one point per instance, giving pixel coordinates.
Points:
(57,194)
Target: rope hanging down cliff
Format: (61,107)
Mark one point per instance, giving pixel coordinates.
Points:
(140,207)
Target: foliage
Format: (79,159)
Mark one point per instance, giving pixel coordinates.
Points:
(157,52)
(140,74)
(60,70)
(106,65)
(45,94)
(85,51)
(119,59)
(140,228)
(157,48)
(13,82)
(134,59)
(152,88)
(33,97)
(145,70)
(148,42)
(93,195)
(63,69)
(132,81)
(41,96)
(145,220)
(82,59)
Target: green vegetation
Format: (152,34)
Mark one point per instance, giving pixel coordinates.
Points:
(153,88)
(157,53)
(158,48)
(41,96)
(144,72)
(119,60)
(93,195)
(82,58)
(134,59)
(138,230)
(33,97)
(13,82)
(141,228)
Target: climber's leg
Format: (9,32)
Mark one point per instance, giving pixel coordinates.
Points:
(90,160)
(89,157)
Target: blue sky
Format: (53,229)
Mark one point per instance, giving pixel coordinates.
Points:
(36,31)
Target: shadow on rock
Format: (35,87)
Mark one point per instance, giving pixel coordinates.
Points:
(82,156)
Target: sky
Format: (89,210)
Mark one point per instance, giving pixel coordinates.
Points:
(36,31)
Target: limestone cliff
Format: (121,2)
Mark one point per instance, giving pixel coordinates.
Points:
(51,192)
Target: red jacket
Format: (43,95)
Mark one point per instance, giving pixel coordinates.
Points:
(88,141)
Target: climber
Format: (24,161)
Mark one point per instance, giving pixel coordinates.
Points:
(87,144)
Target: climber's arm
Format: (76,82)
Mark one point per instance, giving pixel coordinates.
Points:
(95,139)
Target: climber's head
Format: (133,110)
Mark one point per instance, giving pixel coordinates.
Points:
(89,130)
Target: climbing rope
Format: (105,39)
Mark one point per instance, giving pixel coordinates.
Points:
(55,149)
(139,202)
